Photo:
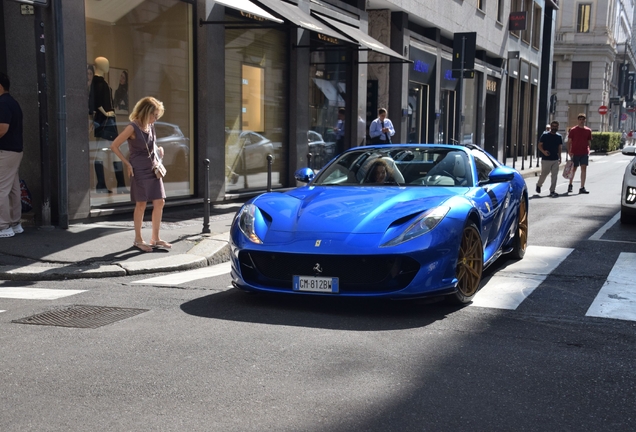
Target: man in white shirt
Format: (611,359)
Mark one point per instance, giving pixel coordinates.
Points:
(381,129)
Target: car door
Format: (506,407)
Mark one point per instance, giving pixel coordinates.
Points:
(493,199)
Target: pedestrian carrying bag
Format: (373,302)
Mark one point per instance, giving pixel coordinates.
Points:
(568,169)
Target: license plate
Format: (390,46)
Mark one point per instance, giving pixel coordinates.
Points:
(315,284)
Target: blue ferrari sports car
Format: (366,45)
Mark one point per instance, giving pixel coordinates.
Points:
(393,221)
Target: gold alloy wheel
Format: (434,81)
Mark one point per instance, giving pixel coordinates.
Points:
(470,262)
(522,228)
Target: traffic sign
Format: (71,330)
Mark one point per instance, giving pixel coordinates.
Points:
(602,110)
(623,117)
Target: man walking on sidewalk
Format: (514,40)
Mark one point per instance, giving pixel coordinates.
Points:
(550,147)
(10,158)
(579,140)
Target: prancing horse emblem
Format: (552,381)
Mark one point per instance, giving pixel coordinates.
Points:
(317,269)
(317,244)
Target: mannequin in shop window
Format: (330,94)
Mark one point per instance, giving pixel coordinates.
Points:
(105,126)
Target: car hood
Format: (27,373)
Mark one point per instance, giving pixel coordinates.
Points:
(341,209)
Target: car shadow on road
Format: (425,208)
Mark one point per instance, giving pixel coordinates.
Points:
(357,314)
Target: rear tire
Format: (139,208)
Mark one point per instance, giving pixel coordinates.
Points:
(470,265)
(520,241)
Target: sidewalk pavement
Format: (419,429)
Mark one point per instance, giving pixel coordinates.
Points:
(105,249)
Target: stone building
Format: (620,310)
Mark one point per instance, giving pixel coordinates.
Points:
(243,79)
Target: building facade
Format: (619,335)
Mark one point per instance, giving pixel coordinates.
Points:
(593,58)
(241,80)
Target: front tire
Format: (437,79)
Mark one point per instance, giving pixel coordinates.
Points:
(520,241)
(627,217)
(470,265)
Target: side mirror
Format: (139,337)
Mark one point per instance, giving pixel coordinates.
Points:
(629,151)
(304,175)
(501,174)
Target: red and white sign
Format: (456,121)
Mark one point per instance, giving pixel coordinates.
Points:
(602,110)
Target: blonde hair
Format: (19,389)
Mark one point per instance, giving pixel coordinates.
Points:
(144,108)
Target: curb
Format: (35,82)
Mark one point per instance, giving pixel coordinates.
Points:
(208,251)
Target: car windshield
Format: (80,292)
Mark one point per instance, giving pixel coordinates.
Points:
(411,166)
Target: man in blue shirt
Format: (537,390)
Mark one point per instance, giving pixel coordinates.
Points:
(10,158)
(340,131)
(381,129)
(550,147)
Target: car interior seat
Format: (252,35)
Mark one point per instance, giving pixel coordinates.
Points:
(459,168)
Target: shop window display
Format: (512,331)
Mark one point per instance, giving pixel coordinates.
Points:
(255,107)
(134,49)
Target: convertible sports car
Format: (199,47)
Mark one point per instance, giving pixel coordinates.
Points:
(394,221)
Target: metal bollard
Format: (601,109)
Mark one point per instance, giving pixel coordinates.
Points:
(309,156)
(525,154)
(270,158)
(206,198)
(514,154)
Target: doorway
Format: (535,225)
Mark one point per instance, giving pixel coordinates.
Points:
(491,134)
(446,133)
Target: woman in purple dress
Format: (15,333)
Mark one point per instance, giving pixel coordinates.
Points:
(145,186)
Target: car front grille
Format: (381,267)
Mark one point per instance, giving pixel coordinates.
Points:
(356,274)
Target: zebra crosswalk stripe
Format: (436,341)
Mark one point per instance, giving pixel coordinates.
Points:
(36,293)
(509,287)
(187,276)
(617,297)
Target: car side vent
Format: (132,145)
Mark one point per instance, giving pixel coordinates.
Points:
(403,220)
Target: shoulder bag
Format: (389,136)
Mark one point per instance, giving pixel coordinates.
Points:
(157,166)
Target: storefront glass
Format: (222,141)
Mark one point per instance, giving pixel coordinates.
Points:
(470,110)
(327,104)
(255,106)
(421,85)
(447,103)
(144,48)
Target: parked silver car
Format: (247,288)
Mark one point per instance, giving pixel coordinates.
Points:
(176,157)
(247,150)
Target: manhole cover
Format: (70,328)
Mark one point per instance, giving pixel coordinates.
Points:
(81,316)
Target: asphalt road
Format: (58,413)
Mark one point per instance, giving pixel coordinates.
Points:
(207,357)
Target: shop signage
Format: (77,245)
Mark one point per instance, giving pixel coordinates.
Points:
(448,75)
(34,2)
(602,110)
(251,16)
(326,38)
(420,66)
(517,21)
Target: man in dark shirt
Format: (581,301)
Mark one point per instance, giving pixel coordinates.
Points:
(10,158)
(550,147)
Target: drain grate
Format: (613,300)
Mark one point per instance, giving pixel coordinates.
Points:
(81,316)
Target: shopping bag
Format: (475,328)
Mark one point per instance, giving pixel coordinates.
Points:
(25,197)
(568,169)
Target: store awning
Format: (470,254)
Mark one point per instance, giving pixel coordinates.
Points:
(302,19)
(364,39)
(245,6)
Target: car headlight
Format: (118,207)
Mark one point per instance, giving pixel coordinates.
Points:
(247,223)
(422,225)
(634,169)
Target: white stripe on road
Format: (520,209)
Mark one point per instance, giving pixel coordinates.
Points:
(187,276)
(617,297)
(513,284)
(598,234)
(36,293)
